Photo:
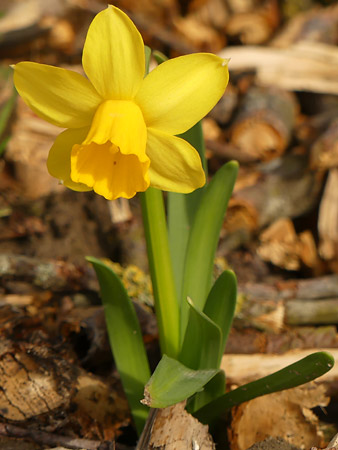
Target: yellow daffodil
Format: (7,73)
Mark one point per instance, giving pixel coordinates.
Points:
(121,126)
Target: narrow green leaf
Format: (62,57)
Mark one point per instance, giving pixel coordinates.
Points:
(172,383)
(181,210)
(202,341)
(212,390)
(5,114)
(221,303)
(204,237)
(307,369)
(159,57)
(125,339)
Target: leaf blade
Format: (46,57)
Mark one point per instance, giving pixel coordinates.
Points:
(172,383)
(202,341)
(300,372)
(204,237)
(221,304)
(125,339)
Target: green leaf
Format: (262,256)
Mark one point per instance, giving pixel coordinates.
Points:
(159,57)
(213,389)
(125,339)
(172,383)
(202,341)
(307,369)
(221,303)
(5,114)
(182,208)
(204,237)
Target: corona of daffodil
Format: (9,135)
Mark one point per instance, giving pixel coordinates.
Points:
(121,126)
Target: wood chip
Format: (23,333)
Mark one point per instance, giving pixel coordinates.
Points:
(305,66)
(175,429)
(281,246)
(328,218)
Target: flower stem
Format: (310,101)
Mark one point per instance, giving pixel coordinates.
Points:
(160,266)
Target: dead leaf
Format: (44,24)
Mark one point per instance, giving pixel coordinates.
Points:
(286,414)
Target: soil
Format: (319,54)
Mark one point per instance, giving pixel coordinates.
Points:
(72,227)
(273,444)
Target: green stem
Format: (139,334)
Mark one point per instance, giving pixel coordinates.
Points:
(160,266)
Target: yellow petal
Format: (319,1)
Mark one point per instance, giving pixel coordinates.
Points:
(112,158)
(120,122)
(58,162)
(108,171)
(175,165)
(60,96)
(113,55)
(181,91)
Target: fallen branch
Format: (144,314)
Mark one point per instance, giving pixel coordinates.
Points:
(305,66)
(53,440)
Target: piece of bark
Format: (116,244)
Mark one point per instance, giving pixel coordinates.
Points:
(211,130)
(281,246)
(241,369)
(227,151)
(42,274)
(264,123)
(213,13)
(49,439)
(324,152)
(224,109)
(173,428)
(286,414)
(250,340)
(19,225)
(34,381)
(37,383)
(241,6)
(305,66)
(296,302)
(316,25)
(255,26)
(309,129)
(290,190)
(307,312)
(198,35)
(312,288)
(328,219)
(273,316)
(28,150)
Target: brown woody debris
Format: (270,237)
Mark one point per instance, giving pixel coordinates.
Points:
(281,246)
(286,414)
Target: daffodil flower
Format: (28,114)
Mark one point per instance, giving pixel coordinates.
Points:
(121,126)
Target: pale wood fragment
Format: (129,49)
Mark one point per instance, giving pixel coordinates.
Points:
(241,369)
(305,66)
(264,123)
(33,381)
(280,245)
(174,428)
(328,218)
